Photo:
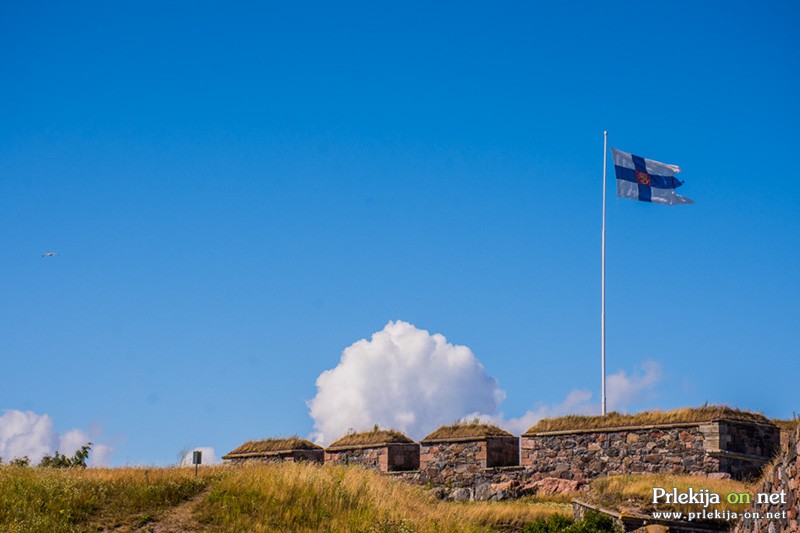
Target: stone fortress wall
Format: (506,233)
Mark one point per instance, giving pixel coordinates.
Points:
(292,449)
(483,462)
(386,457)
(781,476)
(739,449)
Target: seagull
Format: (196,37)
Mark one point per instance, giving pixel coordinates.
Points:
(49,254)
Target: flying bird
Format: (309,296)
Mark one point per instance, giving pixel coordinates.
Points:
(49,254)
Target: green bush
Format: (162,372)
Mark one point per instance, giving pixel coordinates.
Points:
(59,460)
(553,524)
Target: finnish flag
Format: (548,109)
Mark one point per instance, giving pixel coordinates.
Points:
(647,180)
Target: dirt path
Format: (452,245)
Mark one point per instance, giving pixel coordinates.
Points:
(179,519)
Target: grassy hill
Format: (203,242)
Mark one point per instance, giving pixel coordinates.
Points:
(278,497)
(291,497)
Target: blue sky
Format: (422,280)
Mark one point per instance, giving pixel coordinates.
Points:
(238,193)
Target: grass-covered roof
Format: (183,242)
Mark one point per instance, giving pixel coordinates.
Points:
(375,437)
(790,424)
(647,418)
(466,430)
(274,445)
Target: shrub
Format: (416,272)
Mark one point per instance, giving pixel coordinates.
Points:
(59,460)
(20,461)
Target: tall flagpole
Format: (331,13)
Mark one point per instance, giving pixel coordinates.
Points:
(603,282)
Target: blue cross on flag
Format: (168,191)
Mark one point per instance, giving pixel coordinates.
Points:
(647,180)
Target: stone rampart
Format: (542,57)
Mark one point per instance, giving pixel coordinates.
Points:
(313,456)
(497,465)
(388,457)
(459,461)
(290,449)
(738,449)
(781,478)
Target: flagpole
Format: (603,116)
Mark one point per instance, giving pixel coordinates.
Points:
(603,282)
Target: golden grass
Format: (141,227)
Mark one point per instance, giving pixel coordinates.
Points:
(294,497)
(510,515)
(308,497)
(462,430)
(375,437)
(274,445)
(55,500)
(635,492)
(789,425)
(647,418)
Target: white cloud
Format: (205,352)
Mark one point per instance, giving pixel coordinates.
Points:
(403,378)
(25,433)
(101,455)
(208,457)
(624,391)
(577,402)
(71,441)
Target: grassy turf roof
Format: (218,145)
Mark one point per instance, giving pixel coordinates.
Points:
(461,430)
(647,418)
(786,424)
(274,445)
(374,437)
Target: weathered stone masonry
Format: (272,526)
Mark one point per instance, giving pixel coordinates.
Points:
(783,475)
(276,450)
(385,450)
(497,465)
(313,456)
(736,448)
(386,457)
(457,461)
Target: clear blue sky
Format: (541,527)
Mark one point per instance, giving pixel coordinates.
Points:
(236,193)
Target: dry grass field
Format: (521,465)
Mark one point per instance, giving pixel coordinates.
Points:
(277,497)
(631,492)
(290,497)
(47,499)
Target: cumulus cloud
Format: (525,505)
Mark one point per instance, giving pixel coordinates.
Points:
(208,458)
(407,379)
(402,378)
(25,433)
